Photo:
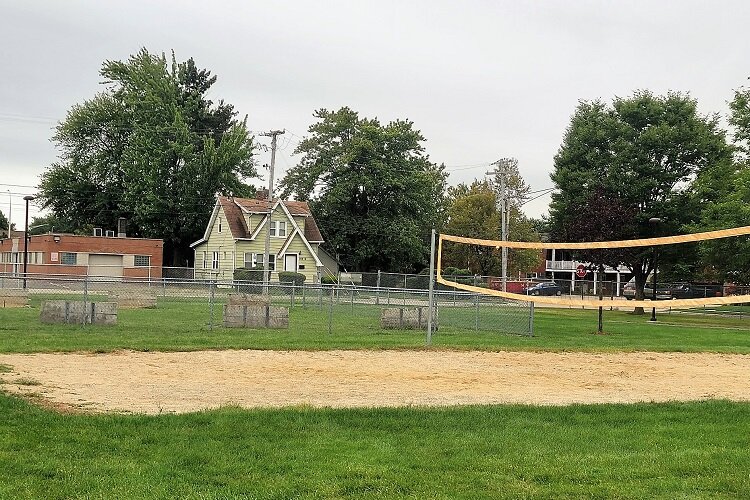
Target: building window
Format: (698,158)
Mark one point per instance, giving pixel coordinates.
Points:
(258,261)
(204,259)
(142,261)
(278,229)
(219,224)
(215,261)
(249,260)
(68,258)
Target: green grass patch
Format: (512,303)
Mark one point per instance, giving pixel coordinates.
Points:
(26,381)
(606,451)
(5,368)
(183,326)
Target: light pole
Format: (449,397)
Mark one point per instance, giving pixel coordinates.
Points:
(27,199)
(655,221)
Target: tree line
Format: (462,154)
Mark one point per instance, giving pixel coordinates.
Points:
(153,148)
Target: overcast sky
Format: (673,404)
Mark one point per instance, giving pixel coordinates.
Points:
(481,79)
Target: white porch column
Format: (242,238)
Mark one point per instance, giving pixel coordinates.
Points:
(618,284)
(596,281)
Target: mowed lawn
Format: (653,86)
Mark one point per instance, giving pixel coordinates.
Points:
(695,450)
(676,450)
(179,326)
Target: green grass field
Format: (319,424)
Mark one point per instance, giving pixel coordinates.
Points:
(697,450)
(178,326)
(678,450)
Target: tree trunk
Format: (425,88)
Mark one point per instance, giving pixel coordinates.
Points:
(640,283)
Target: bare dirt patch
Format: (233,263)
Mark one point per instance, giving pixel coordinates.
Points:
(155,382)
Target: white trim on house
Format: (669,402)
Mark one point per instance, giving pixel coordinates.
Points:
(259,228)
(302,235)
(207,233)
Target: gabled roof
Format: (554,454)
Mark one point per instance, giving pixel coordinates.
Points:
(235,208)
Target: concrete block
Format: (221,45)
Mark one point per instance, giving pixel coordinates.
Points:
(255,316)
(248,299)
(134,301)
(12,297)
(406,318)
(78,312)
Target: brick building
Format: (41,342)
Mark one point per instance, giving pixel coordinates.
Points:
(69,254)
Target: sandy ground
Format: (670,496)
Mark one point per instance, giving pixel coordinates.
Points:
(154,382)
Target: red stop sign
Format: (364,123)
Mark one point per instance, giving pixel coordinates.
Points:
(581,271)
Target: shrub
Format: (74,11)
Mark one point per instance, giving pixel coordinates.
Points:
(253,274)
(248,274)
(328,280)
(291,277)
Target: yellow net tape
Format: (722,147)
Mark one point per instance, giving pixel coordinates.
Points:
(570,302)
(663,240)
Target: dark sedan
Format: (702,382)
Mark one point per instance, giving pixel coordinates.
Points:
(544,289)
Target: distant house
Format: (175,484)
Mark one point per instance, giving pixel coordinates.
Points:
(78,255)
(236,236)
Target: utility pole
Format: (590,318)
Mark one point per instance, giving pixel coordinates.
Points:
(266,264)
(10,212)
(502,206)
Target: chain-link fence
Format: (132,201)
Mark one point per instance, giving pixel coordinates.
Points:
(209,304)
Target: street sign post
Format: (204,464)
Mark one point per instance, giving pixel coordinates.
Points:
(581,271)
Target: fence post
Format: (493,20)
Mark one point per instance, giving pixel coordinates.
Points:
(431,289)
(304,304)
(388,296)
(476,312)
(531,319)
(330,312)
(352,297)
(320,296)
(211,305)
(292,301)
(85,298)
(377,290)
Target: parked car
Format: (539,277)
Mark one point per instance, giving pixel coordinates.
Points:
(547,288)
(696,290)
(628,290)
(663,292)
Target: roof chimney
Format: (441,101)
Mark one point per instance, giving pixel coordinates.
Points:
(122,227)
(261,194)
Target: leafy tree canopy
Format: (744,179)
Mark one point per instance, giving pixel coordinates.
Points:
(373,189)
(636,159)
(151,147)
(727,202)
(740,119)
(473,213)
(4,230)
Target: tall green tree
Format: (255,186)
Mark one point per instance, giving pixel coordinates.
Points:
(151,147)
(727,201)
(374,191)
(4,226)
(644,152)
(473,213)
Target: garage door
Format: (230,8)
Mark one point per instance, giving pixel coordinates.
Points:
(105,265)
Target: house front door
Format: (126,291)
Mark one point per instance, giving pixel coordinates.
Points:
(290,262)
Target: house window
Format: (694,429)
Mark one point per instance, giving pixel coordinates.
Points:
(258,261)
(142,261)
(249,261)
(215,261)
(68,258)
(219,224)
(278,229)
(204,259)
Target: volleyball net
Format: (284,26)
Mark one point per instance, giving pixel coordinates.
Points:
(678,303)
